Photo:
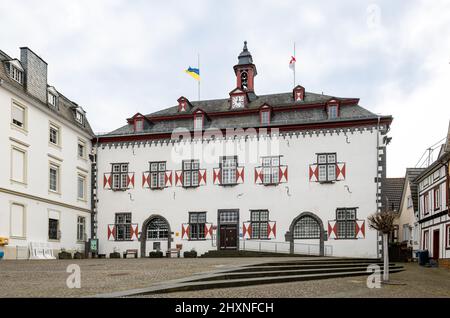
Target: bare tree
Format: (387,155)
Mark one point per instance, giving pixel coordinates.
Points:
(384,222)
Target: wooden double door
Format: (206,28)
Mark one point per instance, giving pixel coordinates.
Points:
(228,226)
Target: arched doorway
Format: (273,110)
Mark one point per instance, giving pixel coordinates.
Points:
(307,226)
(155,229)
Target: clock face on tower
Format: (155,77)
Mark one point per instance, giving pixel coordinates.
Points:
(237,101)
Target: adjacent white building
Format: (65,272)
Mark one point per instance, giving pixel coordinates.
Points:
(299,172)
(45,175)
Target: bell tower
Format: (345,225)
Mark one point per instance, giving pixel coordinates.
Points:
(245,71)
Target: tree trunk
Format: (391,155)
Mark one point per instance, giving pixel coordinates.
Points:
(386,257)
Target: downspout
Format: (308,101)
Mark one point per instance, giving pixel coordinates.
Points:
(378,181)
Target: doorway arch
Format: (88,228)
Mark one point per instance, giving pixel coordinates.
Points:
(312,225)
(154,220)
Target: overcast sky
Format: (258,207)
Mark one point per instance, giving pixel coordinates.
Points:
(116,58)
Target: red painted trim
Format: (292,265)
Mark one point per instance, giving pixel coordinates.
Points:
(284,128)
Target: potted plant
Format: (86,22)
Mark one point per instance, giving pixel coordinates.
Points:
(190,254)
(114,254)
(64,254)
(155,254)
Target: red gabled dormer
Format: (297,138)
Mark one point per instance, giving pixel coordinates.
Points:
(265,114)
(298,93)
(138,121)
(332,108)
(183,104)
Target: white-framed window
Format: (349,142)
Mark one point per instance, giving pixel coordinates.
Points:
(229,170)
(18,164)
(198,122)
(54,177)
(18,115)
(332,111)
(346,223)
(426,237)
(123,226)
(119,176)
(447,236)
(259,224)
(18,220)
(54,135)
(16,74)
(157,229)
(190,173)
(139,125)
(437,198)
(326,163)
(52,99)
(81,187)
(406,232)
(79,117)
(265,117)
(81,149)
(409,201)
(426,203)
(436,175)
(81,228)
(157,174)
(271,169)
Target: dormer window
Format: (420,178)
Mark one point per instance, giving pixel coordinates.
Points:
(52,99)
(198,121)
(139,125)
(264,115)
(332,111)
(298,93)
(16,74)
(79,117)
(183,104)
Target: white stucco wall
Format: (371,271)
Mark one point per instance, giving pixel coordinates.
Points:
(34,193)
(357,150)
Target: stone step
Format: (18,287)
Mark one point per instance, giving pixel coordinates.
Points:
(322,261)
(227,283)
(243,275)
(303,266)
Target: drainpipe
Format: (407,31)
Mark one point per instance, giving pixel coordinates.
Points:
(378,179)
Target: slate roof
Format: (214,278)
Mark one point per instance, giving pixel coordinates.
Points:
(299,116)
(65,105)
(411,174)
(392,189)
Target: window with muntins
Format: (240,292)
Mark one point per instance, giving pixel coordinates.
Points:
(437,198)
(54,178)
(326,163)
(259,224)
(265,117)
(190,173)
(157,229)
(307,228)
(426,203)
(81,187)
(81,228)
(346,223)
(16,74)
(271,169)
(123,226)
(197,221)
(54,135)
(119,176)
(53,226)
(332,111)
(157,174)
(229,170)
(198,122)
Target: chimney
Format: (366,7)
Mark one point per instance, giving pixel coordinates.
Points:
(35,74)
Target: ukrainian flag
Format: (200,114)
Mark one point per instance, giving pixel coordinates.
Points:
(194,72)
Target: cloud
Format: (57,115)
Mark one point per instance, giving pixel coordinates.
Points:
(117,57)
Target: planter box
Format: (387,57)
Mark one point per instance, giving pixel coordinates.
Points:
(64,255)
(191,254)
(78,255)
(114,255)
(155,254)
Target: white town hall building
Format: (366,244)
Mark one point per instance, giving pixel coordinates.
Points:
(290,172)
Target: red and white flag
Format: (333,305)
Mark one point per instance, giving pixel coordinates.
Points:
(292,63)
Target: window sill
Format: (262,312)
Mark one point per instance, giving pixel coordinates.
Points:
(25,184)
(19,129)
(271,184)
(54,192)
(54,240)
(191,187)
(82,158)
(81,200)
(12,237)
(327,182)
(203,239)
(55,146)
(229,184)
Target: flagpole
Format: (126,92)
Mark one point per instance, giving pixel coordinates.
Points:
(294,64)
(198,66)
